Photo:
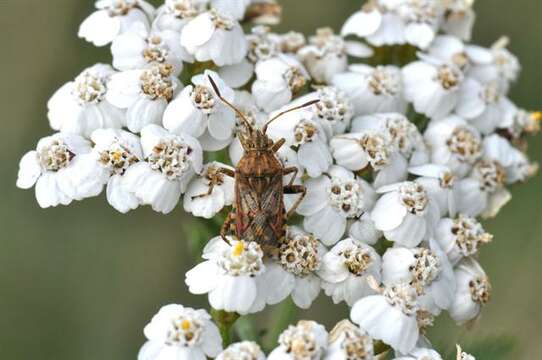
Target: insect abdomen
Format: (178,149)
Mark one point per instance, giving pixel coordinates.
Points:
(259,201)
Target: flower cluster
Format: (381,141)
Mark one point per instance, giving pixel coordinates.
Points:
(402,156)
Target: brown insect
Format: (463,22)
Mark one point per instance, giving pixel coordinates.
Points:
(259,213)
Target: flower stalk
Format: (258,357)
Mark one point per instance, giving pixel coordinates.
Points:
(225,321)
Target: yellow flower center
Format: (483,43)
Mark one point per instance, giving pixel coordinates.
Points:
(185,325)
(238,249)
(536,116)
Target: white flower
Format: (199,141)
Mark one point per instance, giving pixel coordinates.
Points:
(262,44)
(421,354)
(440,184)
(245,350)
(305,341)
(459,18)
(51,167)
(80,106)
(208,193)
(138,49)
(385,22)
(170,163)
(302,131)
(404,135)
(427,270)
(346,268)
(504,68)
(390,316)
(332,200)
(473,291)
(294,273)
(454,143)
(334,110)
(450,49)
(214,36)
(278,80)
(180,333)
(483,192)
(461,237)
(485,106)
(230,275)
(374,148)
(143,93)
(292,41)
(199,112)
(521,122)
(114,152)
(405,213)
(235,8)
(112,18)
(421,20)
(349,342)
(327,54)
(433,87)
(373,89)
(515,162)
(175,14)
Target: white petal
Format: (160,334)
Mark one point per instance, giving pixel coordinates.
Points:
(420,35)
(362,23)
(181,116)
(306,291)
(316,197)
(119,197)
(29,170)
(410,233)
(278,283)
(388,212)
(315,157)
(48,192)
(202,278)
(327,225)
(197,32)
(237,75)
(234,294)
(143,112)
(221,123)
(100,28)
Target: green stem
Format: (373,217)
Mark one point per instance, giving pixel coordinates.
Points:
(224,320)
(285,315)
(245,329)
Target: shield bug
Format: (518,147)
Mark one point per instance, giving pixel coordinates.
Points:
(259,213)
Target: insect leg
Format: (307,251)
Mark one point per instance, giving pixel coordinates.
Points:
(225,171)
(276,146)
(291,170)
(209,192)
(225,229)
(295,189)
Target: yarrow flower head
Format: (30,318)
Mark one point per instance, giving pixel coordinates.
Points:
(295,270)
(334,199)
(231,275)
(246,350)
(305,341)
(349,342)
(180,332)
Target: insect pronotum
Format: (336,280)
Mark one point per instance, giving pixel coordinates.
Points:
(258,212)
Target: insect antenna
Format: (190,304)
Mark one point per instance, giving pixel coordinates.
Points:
(312,102)
(231,106)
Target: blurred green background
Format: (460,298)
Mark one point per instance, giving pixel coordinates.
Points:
(80,282)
